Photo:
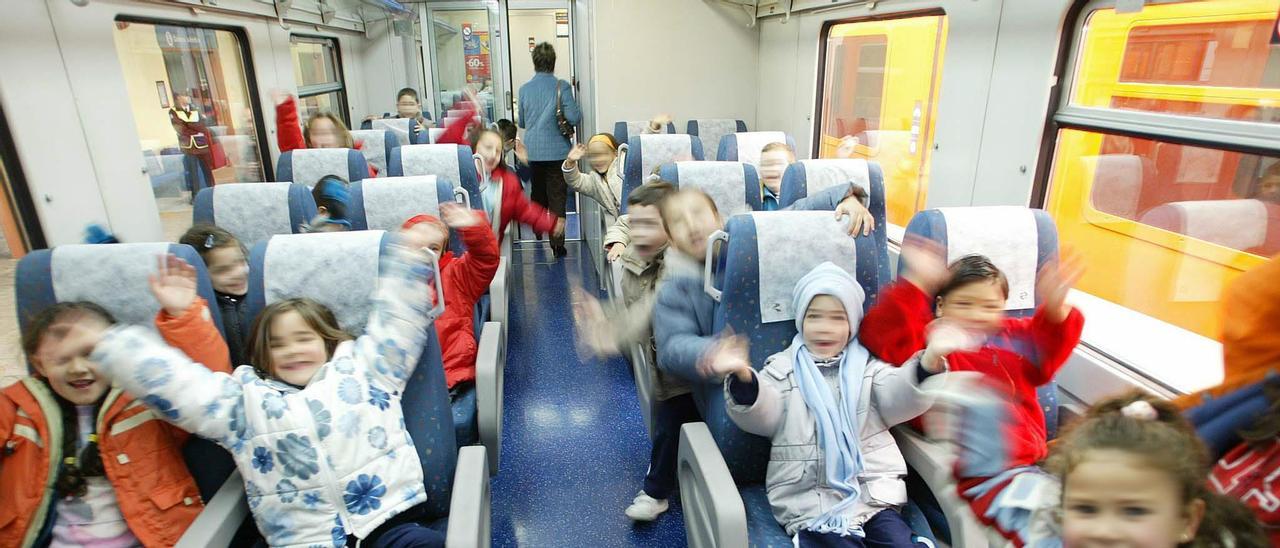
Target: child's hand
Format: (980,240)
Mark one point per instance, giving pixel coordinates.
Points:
(577,152)
(173,284)
(847,146)
(279,96)
(456,215)
(615,251)
(1055,282)
(660,121)
(558,231)
(944,336)
(860,219)
(926,264)
(590,320)
(728,356)
(522,152)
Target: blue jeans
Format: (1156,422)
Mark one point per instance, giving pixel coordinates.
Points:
(885,530)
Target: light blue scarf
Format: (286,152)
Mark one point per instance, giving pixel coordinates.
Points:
(838,426)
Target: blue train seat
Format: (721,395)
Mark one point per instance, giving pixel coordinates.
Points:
(712,130)
(746,147)
(376,145)
(643,153)
(308,165)
(255,211)
(454,163)
(808,177)
(733,186)
(624,131)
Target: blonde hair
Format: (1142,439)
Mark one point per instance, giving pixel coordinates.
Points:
(777,146)
(347,140)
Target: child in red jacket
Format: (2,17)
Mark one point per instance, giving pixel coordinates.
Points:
(465,278)
(497,182)
(1021,353)
(323,129)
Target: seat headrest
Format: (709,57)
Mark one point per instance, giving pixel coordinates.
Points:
(434,134)
(789,245)
(308,165)
(1237,224)
(746,147)
(819,175)
(711,130)
(387,203)
(255,211)
(733,186)
(403,128)
(376,146)
(1009,236)
(1117,182)
(114,276)
(336,269)
(623,131)
(646,152)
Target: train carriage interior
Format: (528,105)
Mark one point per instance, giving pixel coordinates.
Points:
(1142,137)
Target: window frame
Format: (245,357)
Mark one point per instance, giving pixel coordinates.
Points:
(824,34)
(340,85)
(23,207)
(250,78)
(1246,137)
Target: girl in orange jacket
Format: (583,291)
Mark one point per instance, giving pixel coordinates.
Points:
(81,462)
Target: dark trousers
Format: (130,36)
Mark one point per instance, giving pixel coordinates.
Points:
(668,415)
(885,530)
(550,191)
(198,165)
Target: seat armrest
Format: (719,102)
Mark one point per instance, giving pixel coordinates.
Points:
(490,365)
(933,461)
(221,518)
(498,297)
(714,515)
(470,521)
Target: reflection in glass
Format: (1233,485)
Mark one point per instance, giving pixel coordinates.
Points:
(207,134)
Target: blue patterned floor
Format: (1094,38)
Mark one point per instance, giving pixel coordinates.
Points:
(574,447)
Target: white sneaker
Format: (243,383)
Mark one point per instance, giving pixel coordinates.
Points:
(646,508)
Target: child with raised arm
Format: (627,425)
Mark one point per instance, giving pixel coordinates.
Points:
(315,424)
(828,404)
(465,278)
(1021,353)
(85,463)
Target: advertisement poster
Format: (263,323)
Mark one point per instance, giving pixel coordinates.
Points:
(475,53)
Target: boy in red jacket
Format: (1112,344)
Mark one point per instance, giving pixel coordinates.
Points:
(1022,353)
(466,278)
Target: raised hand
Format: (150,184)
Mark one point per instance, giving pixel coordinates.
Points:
(589,319)
(456,215)
(847,145)
(728,356)
(660,121)
(577,152)
(926,264)
(522,152)
(616,251)
(173,284)
(279,96)
(944,336)
(1056,280)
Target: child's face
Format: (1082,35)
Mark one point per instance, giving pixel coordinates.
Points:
(1269,189)
(489,147)
(228,270)
(647,234)
(826,327)
(1115,498)
(436,236)
(297,351)
(324,134)
(408,107)
(691,222)
(74,378)
(599,155)
(979,306)
(772,165)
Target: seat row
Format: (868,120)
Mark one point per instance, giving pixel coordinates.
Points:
(115,276)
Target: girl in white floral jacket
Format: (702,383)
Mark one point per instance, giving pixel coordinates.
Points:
(315,426)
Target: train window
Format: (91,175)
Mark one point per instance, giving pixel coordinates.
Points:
(191,97)
(1215,60)
(1149,181)
(879,82)
(317,69)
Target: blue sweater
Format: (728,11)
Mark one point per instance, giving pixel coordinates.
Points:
(684,316)
(538,117)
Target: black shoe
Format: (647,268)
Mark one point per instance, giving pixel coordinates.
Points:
(559,251)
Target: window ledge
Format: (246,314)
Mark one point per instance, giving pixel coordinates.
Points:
(1183,361)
